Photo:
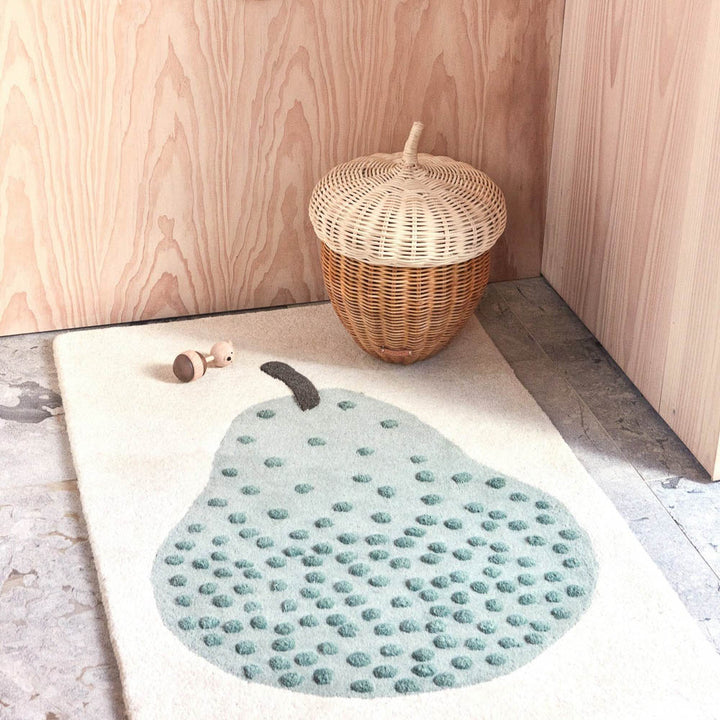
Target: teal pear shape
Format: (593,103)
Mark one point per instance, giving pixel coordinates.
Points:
(352,550)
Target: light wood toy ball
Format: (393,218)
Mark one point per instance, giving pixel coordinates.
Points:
(191,364)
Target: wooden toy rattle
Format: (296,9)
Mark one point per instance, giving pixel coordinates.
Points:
(191,364)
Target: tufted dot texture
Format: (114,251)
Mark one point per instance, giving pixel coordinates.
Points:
(377,562)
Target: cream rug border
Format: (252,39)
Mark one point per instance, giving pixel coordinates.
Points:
(143,446)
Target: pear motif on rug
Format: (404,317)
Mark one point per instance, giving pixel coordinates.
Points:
(342,547)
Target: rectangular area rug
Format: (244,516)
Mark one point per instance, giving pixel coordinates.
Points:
(330,536)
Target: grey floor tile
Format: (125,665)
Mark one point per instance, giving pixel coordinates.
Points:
(33,441)
(55,654)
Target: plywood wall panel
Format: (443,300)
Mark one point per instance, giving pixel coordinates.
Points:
(157,157)
(632,233)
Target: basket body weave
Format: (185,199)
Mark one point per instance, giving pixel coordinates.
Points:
(403,314)
(405,247)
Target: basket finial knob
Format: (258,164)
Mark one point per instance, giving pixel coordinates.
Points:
(410,151)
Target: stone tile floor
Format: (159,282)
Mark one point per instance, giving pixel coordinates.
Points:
(56,661)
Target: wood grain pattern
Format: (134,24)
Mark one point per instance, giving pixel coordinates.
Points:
(157,157)
(633,224)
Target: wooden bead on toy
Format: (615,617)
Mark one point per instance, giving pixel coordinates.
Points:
(221,353)
(191,364)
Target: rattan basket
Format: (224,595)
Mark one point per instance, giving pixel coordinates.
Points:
(405,247)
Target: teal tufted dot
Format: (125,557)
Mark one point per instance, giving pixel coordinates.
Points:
(343,506)
(277,585)
(418,459)
(476,541)
(251,671)
(475,643)
(283,644)
(309,593)
(308,621)
(303,488)
(386,491)
(508,642)
(250,490)
(571,563)
(174,560)
(440,611)
(453,524)
(384,672)
(346,405)
(389,424)
(569,534)
(423,670)
(305,659)
(496,659)
(365,451)
(178,580)
(384,630)
(461,662)
(445,642)
(290,680)
(325,603)
(380,555)
(362,478)
(516,620)
(229,472)
(560,613)
(237,518)
(324,522)
(517,525)
(361,686)
(222,601)
(185,545)
(212,640)
(278,663)
(266,414)
(444,680)
(348,538)
(258,622)
(370,614)
(359,569)
(575,591)
(355,600)
(429,595)
(186,623)
(496,483)
(479,587)
(406,685)
(232,626)
(358,659)
(217,502)
(316,442)
(327,648)
(391,651)
(196,527)
(416,532)
(377,539)
(278,513)
(425,476)
(322,676)
(435,626)
(462,477)
(245,648)
(382,518)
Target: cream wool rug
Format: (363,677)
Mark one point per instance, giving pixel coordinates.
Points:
(418,543)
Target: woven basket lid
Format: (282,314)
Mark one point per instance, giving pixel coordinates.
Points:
(408,209)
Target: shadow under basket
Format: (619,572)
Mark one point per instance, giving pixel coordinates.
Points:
(403,314)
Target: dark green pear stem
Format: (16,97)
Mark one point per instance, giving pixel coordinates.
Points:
(305,393)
